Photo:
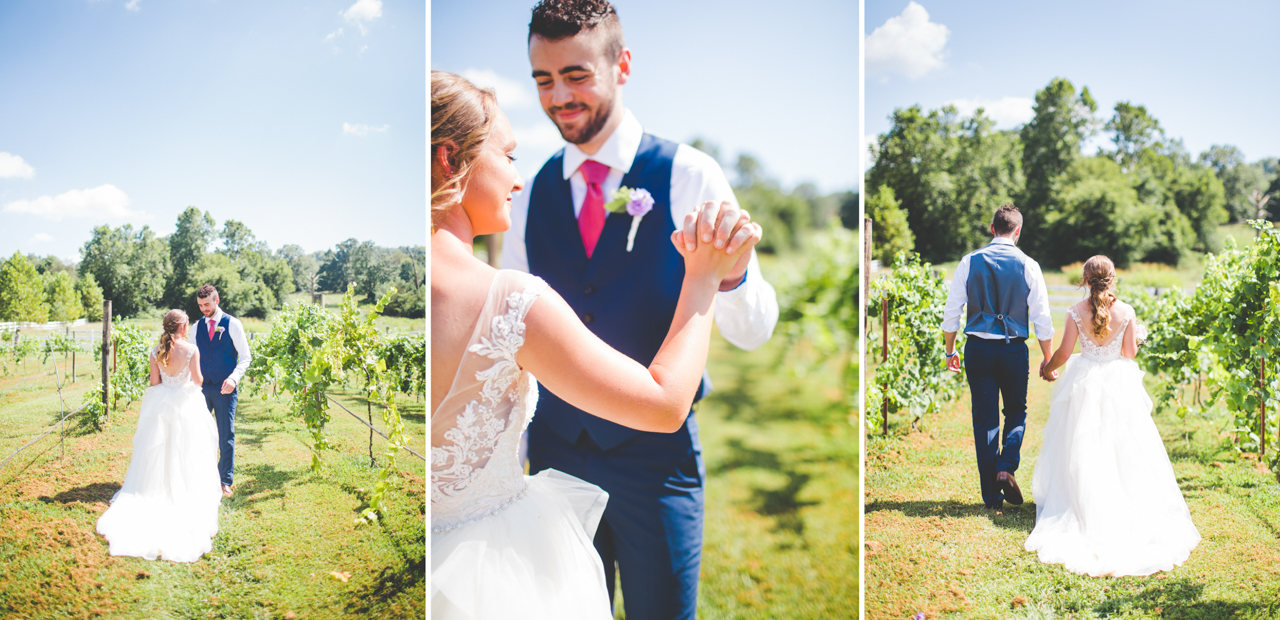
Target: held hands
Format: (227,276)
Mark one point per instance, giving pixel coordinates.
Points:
(718,237)
(1051,376)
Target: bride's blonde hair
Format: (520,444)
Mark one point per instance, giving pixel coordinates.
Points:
(461,113)
(173,321)
(1099,275)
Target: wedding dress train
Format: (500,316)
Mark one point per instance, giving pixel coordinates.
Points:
(505,545)
(168,504)
(1107,500)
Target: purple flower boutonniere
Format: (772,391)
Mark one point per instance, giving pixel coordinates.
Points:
(635,202)
(219,329)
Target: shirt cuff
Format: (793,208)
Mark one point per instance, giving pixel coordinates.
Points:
(740,282)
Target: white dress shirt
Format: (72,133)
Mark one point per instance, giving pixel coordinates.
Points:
(236,331)
(745,315)
(1037,298)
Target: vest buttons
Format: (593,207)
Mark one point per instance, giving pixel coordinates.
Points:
(588,289)
(999,317)
(588,318)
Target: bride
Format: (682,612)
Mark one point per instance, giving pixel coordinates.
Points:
(1107,501)
(506,545)
(168,504)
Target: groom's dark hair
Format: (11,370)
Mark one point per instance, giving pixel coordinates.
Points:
(1007,219)
(554,20)
(206,292)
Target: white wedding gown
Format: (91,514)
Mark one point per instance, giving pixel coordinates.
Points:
(168,504)
(1107,500)
(505,545)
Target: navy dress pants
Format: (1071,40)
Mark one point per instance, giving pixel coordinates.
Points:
(997,371)
(652,526)
(224,413)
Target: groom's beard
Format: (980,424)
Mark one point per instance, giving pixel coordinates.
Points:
(596,120)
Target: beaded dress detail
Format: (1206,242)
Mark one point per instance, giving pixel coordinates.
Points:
(503,544)
(1107,500)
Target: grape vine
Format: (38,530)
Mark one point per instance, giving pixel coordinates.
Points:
(1218,337)
(914,377)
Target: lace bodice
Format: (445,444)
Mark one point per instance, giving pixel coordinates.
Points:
(1107,350)
(475,432)
(176,359)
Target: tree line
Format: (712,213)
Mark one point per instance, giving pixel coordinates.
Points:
(938,175)
(142,273)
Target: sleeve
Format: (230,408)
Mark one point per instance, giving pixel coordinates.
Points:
(514,255)
(957,297)
(1038,301)
(244,354)
(747,314)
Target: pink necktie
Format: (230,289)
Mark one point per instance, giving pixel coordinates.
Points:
(591,217)
(210,329)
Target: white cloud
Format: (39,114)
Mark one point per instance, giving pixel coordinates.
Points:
(362,130)
(908,44)
(1007,112)
(512,94)
(13,166)
(333,35)
(38,239)
(104,201)
(132,5)
(534,145)
(362,12)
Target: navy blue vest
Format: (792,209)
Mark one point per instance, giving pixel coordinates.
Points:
(218,357)
(628,299)
(997,290)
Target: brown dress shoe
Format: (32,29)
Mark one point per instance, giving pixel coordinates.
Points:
(1009,485)
(226,490)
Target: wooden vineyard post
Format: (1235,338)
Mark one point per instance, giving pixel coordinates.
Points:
(73,365)
(1262,408)
(866,257)
(106,353)
(884,357)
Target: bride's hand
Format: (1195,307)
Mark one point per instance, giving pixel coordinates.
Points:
(725,229)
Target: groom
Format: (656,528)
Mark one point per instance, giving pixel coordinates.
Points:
(1005,294)
(224,356)
(652,526)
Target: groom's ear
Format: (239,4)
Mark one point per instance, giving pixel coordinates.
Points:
(624,66)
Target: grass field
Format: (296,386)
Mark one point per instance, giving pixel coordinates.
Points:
(286,547)
(931,547)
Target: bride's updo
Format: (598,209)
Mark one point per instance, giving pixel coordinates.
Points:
(173,321)
(1099,275)
(461,113)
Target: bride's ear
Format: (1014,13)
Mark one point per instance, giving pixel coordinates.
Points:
(443,157)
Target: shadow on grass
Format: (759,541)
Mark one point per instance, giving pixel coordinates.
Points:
(782,504)
(261,482)
(408,577)
(1182,598)
(97,492)
(1010,517)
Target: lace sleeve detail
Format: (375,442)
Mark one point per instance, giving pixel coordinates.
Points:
(1071,311)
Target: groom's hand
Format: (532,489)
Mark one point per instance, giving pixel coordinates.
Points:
(727,227)
(228,386)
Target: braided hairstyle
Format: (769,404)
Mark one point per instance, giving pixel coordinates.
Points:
(1099,276)
(173,321)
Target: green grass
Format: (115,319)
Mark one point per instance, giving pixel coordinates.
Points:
(931,546)
(781,452)
(280,537)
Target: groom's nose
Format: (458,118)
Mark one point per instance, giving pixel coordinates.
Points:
(561,93)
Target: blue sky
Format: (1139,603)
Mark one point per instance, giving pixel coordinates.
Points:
(1203,69)
(303,119)
(749,76)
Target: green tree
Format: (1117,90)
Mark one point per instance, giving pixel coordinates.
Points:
(187,245)
(21,291)
(335,268)
(303,265)
(131,266)
(890,234)
(1051,142)
(1133,131)
(90,295)
(61,298)
(949,174)
(1239,179)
